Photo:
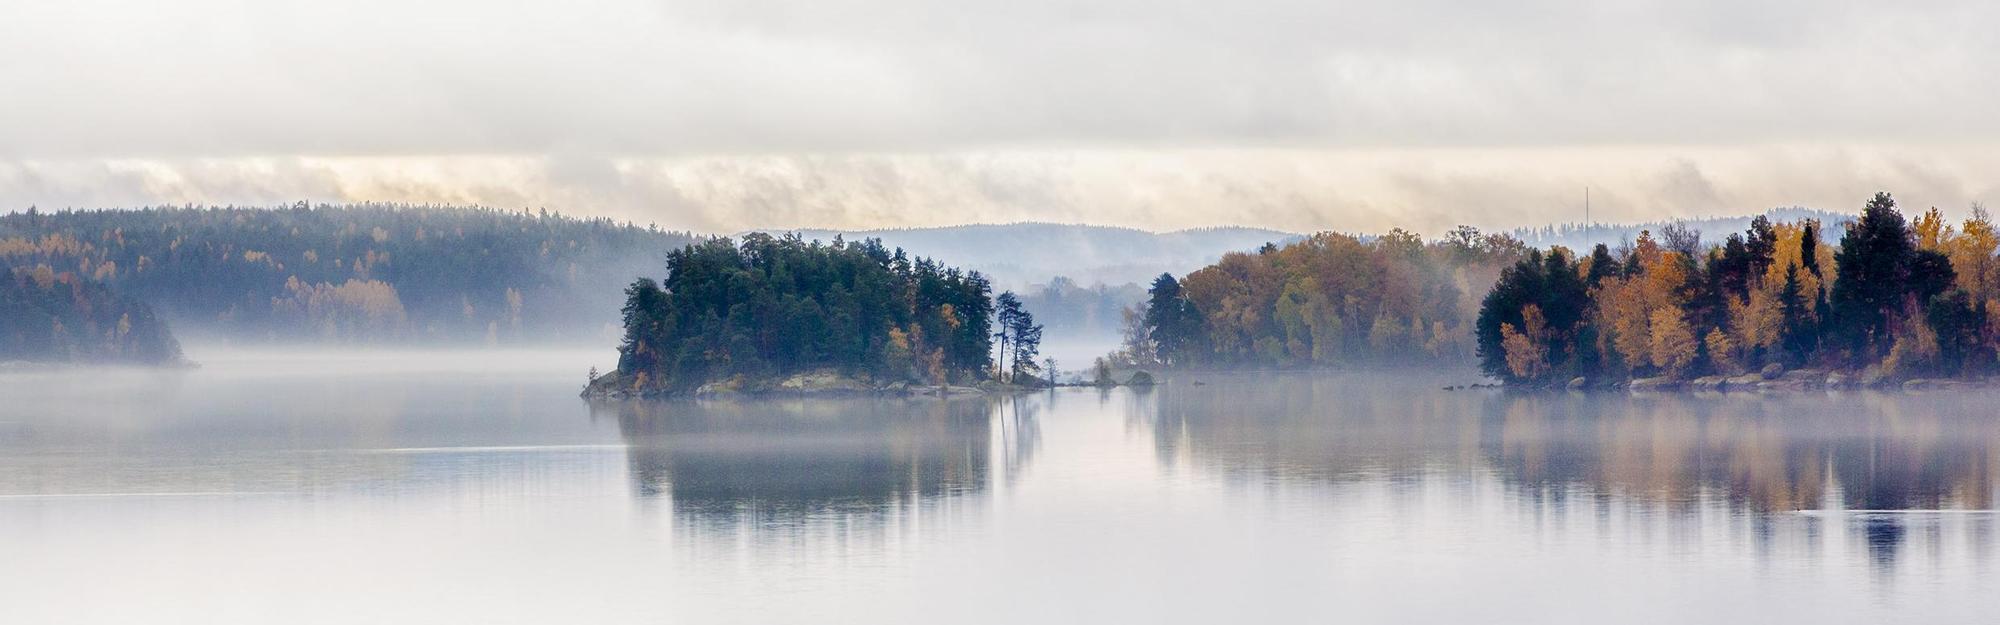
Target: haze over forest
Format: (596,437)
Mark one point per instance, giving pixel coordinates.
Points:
(389,274)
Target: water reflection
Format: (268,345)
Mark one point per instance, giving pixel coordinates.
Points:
(1875,469)
(1247,498)
(241,428)
(781,462)
(1767,454)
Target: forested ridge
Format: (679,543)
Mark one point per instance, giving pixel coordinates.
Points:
(743,315)
(363,273)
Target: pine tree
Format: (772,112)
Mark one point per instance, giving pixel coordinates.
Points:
(1007,312)
(1020,337)
(1872,274)
(1173,323)
(1601,266)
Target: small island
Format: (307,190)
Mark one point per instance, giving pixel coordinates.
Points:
(783,315)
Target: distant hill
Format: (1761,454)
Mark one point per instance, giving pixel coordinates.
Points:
(1018,255)
(1713,229)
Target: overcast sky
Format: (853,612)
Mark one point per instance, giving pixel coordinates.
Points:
(729,114)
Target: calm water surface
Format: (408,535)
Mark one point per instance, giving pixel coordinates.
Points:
(475,487)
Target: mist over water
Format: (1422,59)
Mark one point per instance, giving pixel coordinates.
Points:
(475,486)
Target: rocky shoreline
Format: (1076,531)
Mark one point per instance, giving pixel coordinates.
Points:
(616,385)
(1776,379)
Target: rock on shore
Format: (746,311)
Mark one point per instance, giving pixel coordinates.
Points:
(824,383)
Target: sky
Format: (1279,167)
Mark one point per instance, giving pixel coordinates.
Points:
(724,115)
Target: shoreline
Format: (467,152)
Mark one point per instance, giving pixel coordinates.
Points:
(816,384)
(1771,380)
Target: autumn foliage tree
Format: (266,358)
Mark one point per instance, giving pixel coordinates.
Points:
(1908,296)
(1332,299)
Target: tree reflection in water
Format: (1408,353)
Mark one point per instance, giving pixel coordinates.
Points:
(1880,465)
(776,463)
(1861,474)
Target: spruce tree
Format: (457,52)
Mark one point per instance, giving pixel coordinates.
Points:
(1872,277)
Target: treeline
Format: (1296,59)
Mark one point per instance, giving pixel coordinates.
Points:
(51,316)
(1578,236)
(351,273)
(1892,299)
(774,306)
(1329,299)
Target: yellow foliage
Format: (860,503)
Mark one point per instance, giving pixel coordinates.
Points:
(43,276)
(1931,230)
(1665,277)
(1972,256)
(1916,344)
(16,246)
(355,307)
(1758,321)
(1629,307)
(1723,352)
(1786,254)
(1673,344)
(1527,355)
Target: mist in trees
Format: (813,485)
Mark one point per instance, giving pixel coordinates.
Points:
(50,316)
(369,273)
(1068,310)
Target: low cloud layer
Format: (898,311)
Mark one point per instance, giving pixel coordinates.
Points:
(1298,190)
(720,114)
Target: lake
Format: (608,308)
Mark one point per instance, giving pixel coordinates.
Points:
(427,487)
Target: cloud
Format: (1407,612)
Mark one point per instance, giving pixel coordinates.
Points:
(1425,189)
(726,114)
(219,78)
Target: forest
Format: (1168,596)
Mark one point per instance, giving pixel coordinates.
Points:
(1894,299)
(776,306)
(50,316)
(363,273)
(1329,299)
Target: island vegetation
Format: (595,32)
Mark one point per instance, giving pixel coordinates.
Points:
(49,316)
(785,314)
